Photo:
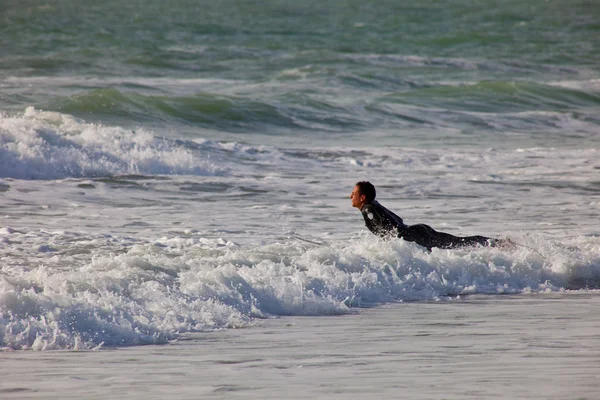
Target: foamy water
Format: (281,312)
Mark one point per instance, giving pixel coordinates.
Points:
(50,145)
(73,290)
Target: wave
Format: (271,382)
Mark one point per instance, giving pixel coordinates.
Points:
(216,111)
(51,145)
(479,105)
(42,145)
(221,112)
(81,291)
(355,102)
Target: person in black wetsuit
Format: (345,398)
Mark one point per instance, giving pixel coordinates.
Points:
(385,223)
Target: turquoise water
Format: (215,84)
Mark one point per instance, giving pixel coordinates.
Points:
(313,72)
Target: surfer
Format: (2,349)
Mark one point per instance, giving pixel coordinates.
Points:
(385,223)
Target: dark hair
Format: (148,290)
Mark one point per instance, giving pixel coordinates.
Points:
(367,189)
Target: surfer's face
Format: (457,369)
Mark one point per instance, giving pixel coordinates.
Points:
(358,200)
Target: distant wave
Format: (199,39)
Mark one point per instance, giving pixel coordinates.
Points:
(232,113)
(280,109)
(51,145)
(41,145)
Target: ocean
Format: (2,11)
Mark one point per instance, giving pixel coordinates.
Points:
(175,219)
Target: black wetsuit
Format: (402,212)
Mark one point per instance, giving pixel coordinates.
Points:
(384,223)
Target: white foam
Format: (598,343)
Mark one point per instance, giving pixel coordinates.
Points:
(51,145)
(87,292)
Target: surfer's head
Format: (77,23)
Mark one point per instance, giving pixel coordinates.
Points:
(363,193)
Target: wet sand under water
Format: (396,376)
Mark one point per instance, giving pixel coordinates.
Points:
(538,346)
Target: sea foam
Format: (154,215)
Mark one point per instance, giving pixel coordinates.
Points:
(106,290)
(52,145)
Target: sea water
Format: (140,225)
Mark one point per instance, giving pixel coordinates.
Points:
(171,171)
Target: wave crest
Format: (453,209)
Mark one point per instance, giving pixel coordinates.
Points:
(52,145)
